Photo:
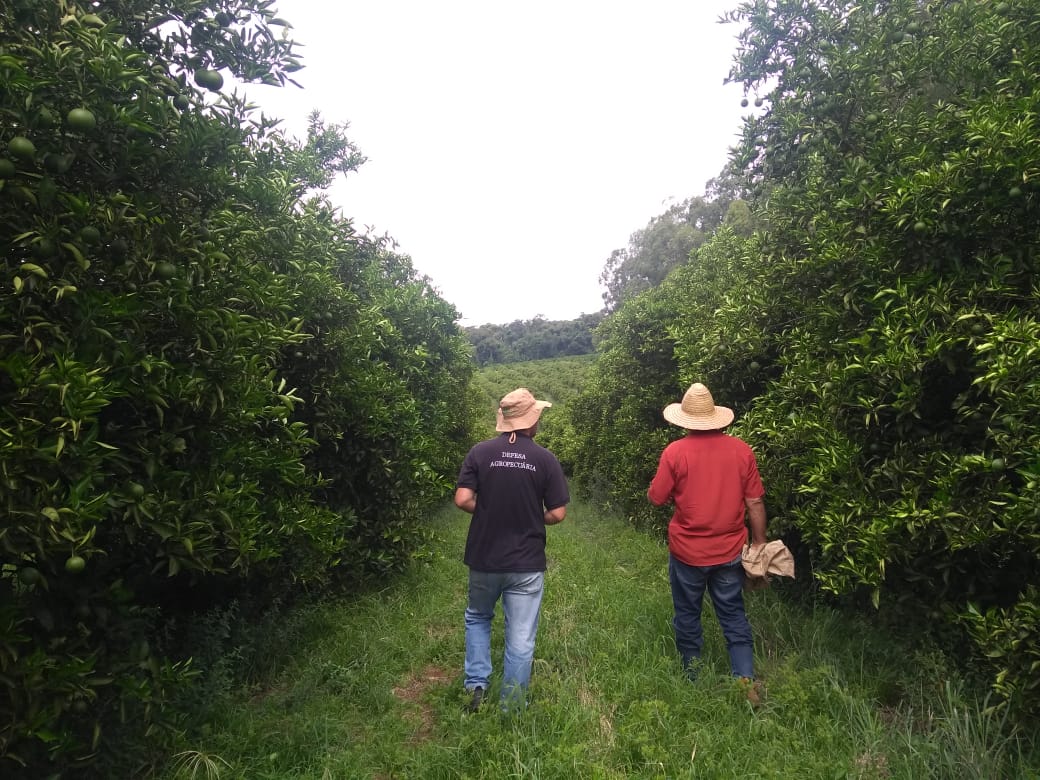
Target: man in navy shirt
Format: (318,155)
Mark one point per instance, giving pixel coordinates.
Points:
(514,488)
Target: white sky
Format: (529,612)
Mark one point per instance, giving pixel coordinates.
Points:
(512,147)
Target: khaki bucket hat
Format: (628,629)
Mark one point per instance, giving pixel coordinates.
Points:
(518,410)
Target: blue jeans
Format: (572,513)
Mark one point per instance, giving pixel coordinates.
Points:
(521,595)
(724,583)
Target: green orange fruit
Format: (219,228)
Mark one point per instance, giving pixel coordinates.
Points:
(90,235)
(46,117)
(75,564)
(7,168)
(44,248)
(21,148)
(81,119)
(27,575)
(165,270)
(57,163)
(209,79)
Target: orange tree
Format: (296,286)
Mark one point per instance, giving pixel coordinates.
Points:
(208,380)
(896,164)
(880,332)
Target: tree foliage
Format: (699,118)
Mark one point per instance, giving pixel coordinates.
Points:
(537,339)
(209,382)
(878,338)
(666,243)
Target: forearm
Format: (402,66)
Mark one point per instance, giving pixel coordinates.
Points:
(756,512)
(466,500)
(554,516)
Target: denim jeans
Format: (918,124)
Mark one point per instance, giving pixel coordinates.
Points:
(521,595)
(724,583)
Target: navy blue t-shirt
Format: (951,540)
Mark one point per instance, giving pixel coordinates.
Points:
(515,485)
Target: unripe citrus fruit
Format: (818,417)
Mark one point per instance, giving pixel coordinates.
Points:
(21,148)
(136,489)
(90,235)
(27,575)
(75,564)
(920,227)
(81,120)
(165,270)
(743,103)
(57,163)
(46,117)
(7,169)
(1014,192)
(181,103)
(209,79)
(44,248)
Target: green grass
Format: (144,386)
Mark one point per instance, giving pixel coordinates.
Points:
(373,688)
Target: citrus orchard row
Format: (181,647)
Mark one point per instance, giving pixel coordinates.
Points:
(212,386)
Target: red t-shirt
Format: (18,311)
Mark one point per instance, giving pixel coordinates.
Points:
(708,475)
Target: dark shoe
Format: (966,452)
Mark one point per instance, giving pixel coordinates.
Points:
(475,702)
(691,667)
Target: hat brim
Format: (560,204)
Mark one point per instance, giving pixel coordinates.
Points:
(523,422)
(722,417)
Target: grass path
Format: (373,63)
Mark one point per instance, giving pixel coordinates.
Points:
(373,688)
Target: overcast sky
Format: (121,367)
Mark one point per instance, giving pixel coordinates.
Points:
(512,146)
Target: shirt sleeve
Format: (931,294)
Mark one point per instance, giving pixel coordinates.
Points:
(753,481)
(556,492)
(663,483)
(468,473)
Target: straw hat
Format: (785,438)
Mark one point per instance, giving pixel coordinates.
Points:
(698,411)
(518,410)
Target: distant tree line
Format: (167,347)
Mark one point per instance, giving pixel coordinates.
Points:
(652,253)
(534,339)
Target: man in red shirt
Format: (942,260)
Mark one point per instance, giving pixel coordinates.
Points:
(713,479)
